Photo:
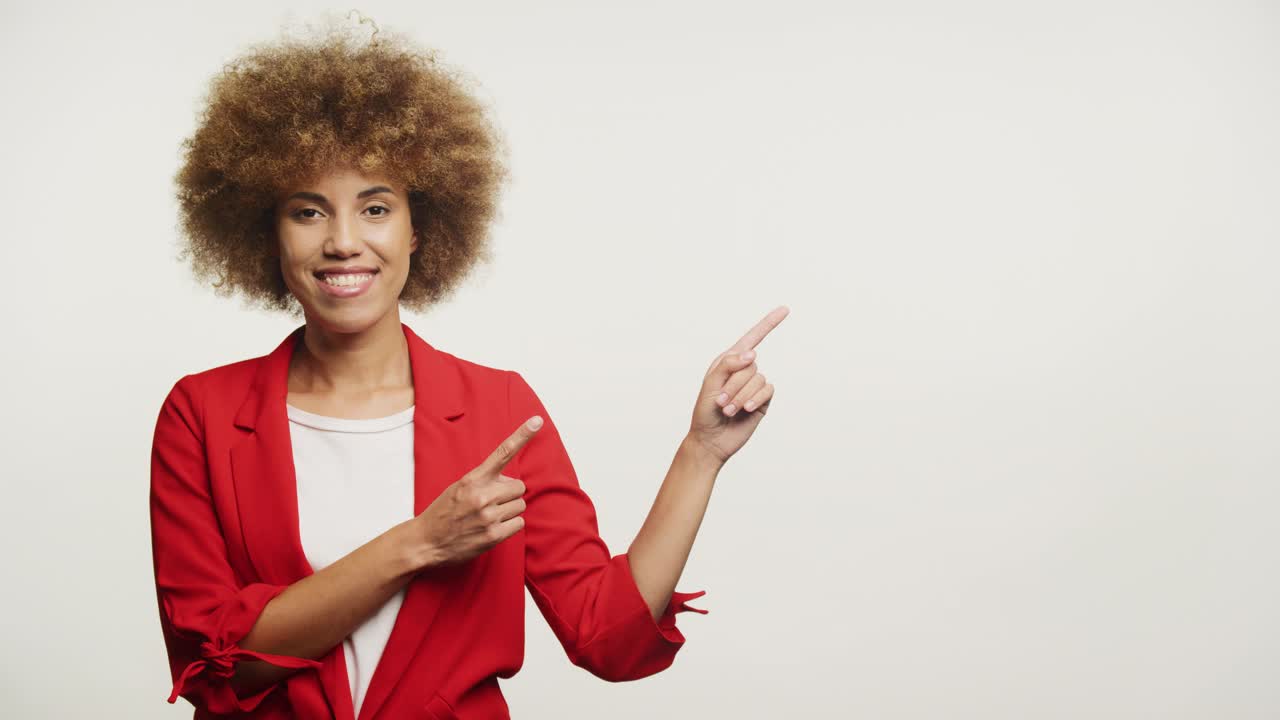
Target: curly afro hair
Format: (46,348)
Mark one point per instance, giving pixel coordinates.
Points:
(288,111)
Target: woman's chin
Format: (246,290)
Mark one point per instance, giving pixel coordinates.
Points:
(345,317)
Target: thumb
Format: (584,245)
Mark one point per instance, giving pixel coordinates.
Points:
(728,364)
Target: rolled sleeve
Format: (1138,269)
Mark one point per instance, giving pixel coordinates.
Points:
(666,624)
(635,646)
(588,597)
(204,611)
(207,651)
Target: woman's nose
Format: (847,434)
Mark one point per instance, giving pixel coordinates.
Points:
(344,238)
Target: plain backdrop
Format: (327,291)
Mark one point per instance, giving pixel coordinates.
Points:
(1024,456)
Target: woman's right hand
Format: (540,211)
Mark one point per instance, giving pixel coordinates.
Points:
(478,511)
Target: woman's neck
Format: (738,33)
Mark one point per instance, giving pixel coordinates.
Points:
(371,360)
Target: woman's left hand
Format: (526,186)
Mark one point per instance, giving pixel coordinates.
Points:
(734,396)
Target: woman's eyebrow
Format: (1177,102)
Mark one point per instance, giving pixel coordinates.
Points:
(317,197)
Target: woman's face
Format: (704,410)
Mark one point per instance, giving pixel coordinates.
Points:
(344,243)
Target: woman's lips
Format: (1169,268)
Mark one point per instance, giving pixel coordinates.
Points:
(347,291)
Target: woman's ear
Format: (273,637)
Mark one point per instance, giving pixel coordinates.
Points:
(413,242)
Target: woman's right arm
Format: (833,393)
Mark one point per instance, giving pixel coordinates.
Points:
(319,611)
(229,645)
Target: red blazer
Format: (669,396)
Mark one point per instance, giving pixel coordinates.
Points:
(224,531)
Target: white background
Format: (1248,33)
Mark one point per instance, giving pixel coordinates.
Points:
(1024,456)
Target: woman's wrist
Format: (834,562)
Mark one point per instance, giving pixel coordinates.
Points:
(410,552)
(699,455)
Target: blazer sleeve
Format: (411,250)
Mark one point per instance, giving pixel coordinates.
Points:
(204,611)
(588,597)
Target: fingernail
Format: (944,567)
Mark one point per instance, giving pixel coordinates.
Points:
(724,397)
(748,355)
(535,423)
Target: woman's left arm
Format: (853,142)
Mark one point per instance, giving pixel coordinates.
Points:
(661,547)
(733,400)
(615,615)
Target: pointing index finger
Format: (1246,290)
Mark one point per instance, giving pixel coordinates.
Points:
(502,454)
(761,329)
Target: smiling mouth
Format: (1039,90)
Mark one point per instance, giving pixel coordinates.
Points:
(345,283)
(345,279)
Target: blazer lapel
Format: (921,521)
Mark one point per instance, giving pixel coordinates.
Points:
(262,468)
(267,498)
(438,460)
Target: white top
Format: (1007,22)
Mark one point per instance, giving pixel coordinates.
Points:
(355,481)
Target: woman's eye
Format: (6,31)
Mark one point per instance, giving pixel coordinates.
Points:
(299,213)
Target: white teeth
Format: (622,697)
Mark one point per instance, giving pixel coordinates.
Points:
(347,279)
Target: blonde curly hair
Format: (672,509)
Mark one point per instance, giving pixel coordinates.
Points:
(287,111)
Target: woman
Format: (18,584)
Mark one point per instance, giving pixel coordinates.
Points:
(344,527)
